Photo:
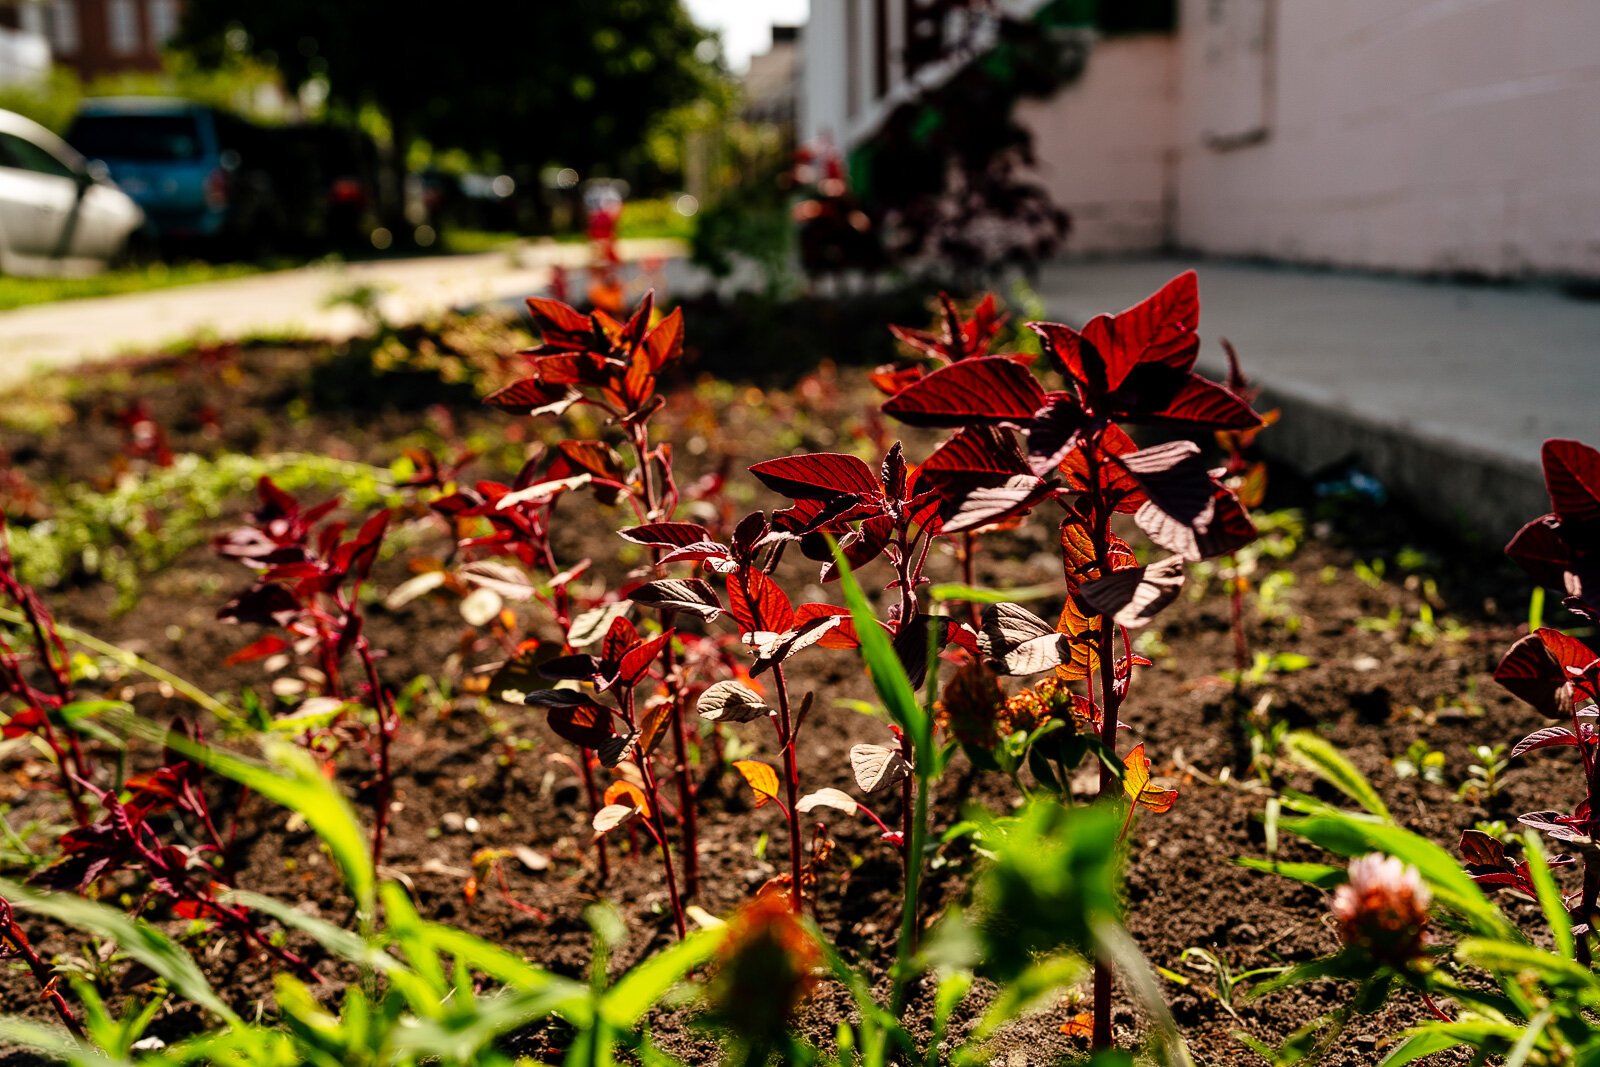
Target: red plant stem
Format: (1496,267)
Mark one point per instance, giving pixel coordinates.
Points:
(1591,865)
(387,727)
(1102,1034)
(969,575)
(41,970)
(658,826)
(593,793)
(907,805)
(561,607)
(1241,647)
(53,655)
(647,769)
(1438,1012)
(791,776)
(688,820)
(687,815)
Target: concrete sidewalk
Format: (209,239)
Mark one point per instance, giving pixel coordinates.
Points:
(1444,392)
(73,331)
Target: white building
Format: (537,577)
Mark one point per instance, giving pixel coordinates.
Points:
(1453,136)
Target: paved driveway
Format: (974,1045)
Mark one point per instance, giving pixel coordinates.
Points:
(72,331)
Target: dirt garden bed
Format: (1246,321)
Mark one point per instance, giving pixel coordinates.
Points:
(1391,628)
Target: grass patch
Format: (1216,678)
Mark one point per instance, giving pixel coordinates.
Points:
(655,218)
(22,292)
(472,241)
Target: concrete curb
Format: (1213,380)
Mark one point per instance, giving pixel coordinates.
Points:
(1482,498)
(1443,393)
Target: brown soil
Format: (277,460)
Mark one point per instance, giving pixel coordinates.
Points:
(1371,693)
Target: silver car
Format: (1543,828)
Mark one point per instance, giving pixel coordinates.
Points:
(58,213)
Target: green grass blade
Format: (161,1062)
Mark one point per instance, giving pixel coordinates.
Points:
(1321,875)
(1320,757)
(346,944)
(1555,908)
(290,778)
(972,594)
(643,987)
(138,939)
(888,676)
(1351,836)
(52,1041)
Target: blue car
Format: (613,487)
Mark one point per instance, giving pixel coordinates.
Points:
(201,175)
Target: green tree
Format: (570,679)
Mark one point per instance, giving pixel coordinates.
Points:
(529,84)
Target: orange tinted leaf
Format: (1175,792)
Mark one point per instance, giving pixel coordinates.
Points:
(653,726)
(1084,631)
(620,792)
(761,779)
(1116,483)
(1136,783)
(1078,557)
(1080,1025)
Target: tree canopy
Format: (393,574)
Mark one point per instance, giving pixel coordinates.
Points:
(534,83)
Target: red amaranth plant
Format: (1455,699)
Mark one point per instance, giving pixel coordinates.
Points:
(1559,676)
(125,830)
(1137,367)
(600,362)
(1246,475)
(308,586)
(40,710)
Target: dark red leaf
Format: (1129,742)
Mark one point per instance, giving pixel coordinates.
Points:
(560,327)
(1572,474)
(1481,850)
(1175,478)
(575,668)
(841,637)
(1549,737)
(692,596)
(264,605)
(666,534)
(985,505)
(1118,486)
(1134,596)
(1227,528)
(269,645)
(1197,403)
(987,389)
(1053,432)
(699,552)
(1158,329)
(621,636)
(585,725)
(757,602)
(974,450)
(1535,670)
(1541,551)
(636,661)
(664,344)
(818,476)
(530,396)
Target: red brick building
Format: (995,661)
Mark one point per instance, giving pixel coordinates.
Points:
(95,37)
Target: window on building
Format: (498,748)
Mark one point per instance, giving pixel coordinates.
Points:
(31,19)
(62,21)
(163,15)
(122,27)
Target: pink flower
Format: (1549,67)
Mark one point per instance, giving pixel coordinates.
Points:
(1383,909)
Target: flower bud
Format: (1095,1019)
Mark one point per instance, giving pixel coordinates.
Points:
(1383,909)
